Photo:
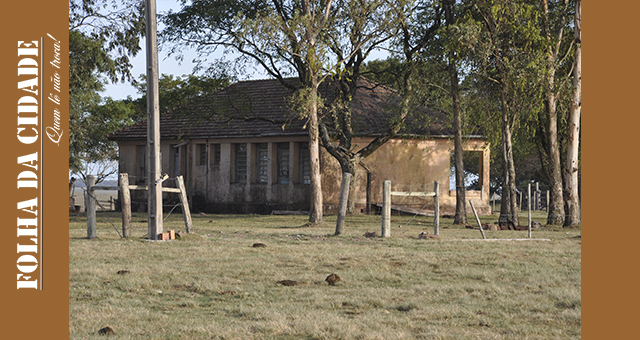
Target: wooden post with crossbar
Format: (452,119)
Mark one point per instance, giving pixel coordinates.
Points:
(125,203)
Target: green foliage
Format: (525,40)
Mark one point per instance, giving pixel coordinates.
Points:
(175,91)
(87,143)
(301,101)
(90,143)
(208,25)
(497,45)
(103,35)
(387,72)
(117,26)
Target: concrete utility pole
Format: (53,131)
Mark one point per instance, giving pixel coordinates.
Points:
(153,125)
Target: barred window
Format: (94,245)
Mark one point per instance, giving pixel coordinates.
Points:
(215,155)
(304,166)
(262,163)
(241,163)
(283,163)
(141,172)
(202,154)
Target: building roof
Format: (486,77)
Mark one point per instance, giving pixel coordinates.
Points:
(260,108)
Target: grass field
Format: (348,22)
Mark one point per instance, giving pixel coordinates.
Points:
(213,284)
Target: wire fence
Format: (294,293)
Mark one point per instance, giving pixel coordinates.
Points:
(124,190)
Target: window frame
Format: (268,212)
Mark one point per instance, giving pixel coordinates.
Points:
(240,163)
(262,161)
(283,169)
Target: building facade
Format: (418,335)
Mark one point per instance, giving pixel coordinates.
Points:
(240,152)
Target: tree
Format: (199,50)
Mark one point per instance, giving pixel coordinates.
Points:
(103,35)
(91,118)
(363,26)
(90,144)
(507,54)
(303,38)
(553,28)
(572,181)
(282,37)
(117,25)
(435,65)
(461,210)
(178,90)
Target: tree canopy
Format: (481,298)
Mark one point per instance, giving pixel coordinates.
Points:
(501,67)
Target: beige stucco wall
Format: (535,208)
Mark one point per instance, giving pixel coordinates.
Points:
(410,165)
(210,184)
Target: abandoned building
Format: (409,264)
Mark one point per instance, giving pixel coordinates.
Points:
(241,150)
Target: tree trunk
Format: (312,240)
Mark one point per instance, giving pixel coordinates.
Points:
(572,216)
(461,205)
(513,196)
(315,211)
(342,206)
(556,204)
(312,79)
(505,206)
(509,205)
(351,204)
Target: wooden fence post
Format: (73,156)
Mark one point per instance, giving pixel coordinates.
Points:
(368,192)
(344,199)
(520,205)
(125,202)
(547,200)
(436,208)
(386,208)
(477,219)
(91,207)
(185,204)
(529,199)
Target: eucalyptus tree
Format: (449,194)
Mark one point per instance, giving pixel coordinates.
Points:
(360,28)
(282,37)
(452,56)
(558,48)
(103,36)
(371,25)
(572,216)
(117,25)
(304,38)
(179,90)
(507,47)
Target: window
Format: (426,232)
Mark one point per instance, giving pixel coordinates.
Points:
(472,162)
(262,163)
(141,171)
(175,161)
(241,163)
(202,154)
(215,155)
(304,166)
(283,163)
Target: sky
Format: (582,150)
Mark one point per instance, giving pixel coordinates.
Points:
(169,65)
(166,64)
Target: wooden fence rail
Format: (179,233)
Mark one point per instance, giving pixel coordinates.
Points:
(386,205)
(124,189)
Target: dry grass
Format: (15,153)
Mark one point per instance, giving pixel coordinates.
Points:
(214,285)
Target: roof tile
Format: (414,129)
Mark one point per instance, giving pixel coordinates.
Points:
(261,108)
